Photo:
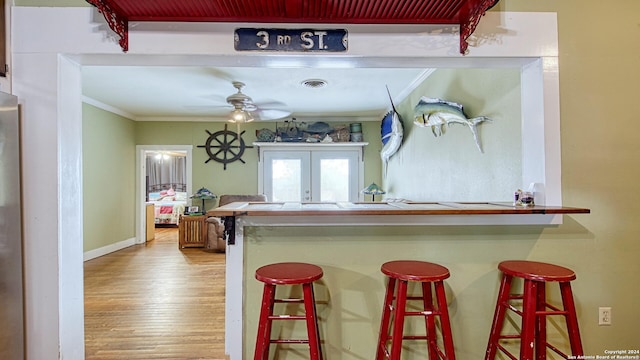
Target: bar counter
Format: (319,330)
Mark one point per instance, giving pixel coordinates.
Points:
(386,208)
(351,240)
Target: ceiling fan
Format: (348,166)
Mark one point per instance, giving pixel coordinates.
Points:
(245,110)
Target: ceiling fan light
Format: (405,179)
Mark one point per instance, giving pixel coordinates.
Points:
(240,116)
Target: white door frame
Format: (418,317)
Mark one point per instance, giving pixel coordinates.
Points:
(141,173)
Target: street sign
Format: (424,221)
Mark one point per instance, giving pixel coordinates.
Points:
(325,40)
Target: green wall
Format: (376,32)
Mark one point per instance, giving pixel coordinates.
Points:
(239,177)
(108,161)
(451,166)
(599,54)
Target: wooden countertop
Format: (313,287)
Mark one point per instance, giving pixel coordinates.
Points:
(382,208)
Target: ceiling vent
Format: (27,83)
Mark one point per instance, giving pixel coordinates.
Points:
(314,83)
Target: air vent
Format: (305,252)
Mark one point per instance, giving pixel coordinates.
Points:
(314,83)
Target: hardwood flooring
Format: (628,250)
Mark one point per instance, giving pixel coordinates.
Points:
(155,301)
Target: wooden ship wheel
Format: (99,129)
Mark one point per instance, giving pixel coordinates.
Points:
(225,146)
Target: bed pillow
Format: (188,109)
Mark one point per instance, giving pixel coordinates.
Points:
(154,196)
(181,196)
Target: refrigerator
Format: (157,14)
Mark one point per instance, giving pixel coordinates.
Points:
(11,270)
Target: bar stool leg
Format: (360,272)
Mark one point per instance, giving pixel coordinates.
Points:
(445,323)
(498,317)
(315,352)
(432,342)
(527,333)
(386,317)
(398,321)
(541,322)
(572,318)
(264,327)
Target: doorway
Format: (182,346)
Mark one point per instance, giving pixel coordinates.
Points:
(310,175)
(144,185)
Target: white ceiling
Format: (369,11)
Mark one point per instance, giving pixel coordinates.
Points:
(199,93)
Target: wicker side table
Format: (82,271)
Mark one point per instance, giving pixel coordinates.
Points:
(192,231)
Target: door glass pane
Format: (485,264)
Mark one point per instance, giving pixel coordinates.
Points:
(334,180)
(286,180)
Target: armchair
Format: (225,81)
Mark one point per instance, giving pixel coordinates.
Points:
(217,236)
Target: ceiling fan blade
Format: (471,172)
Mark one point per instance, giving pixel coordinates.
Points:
(208,107)
(272,114)
(270,104)
(217,98)
(219,74)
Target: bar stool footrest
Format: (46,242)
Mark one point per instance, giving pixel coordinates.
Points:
(287,317)
(288,301)
(415,337)
(289,341)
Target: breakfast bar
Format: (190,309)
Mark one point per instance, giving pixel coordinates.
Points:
(351,240)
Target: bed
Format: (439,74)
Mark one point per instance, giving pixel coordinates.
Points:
(168,206)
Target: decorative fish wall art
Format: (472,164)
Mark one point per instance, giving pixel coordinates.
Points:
(392,133)
(439,114)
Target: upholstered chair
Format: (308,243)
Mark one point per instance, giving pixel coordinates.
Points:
(217,236)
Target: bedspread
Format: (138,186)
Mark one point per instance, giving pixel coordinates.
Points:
(168,206)
(168,212)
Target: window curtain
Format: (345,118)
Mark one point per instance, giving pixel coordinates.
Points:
(178,173)
(166,172)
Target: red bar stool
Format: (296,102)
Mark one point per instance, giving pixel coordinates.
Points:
(288,273)
(401,272)
(533,333)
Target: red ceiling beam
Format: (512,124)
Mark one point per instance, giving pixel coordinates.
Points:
(465,13)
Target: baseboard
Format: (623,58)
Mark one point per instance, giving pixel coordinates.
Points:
(92,254)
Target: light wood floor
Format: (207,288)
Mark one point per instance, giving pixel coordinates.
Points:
(154,301)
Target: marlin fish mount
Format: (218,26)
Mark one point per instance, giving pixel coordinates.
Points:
(392,132)
(438,114)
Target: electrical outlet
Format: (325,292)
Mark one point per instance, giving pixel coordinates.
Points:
(604,316)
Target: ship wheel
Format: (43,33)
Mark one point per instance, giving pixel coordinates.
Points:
(225,146)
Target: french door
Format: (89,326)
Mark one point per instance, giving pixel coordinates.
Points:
(297,175)
(287,176)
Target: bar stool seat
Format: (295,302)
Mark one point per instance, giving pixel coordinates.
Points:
(288,273)
(399,273)
(534,309)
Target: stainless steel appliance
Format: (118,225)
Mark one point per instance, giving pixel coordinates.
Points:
(11,283)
